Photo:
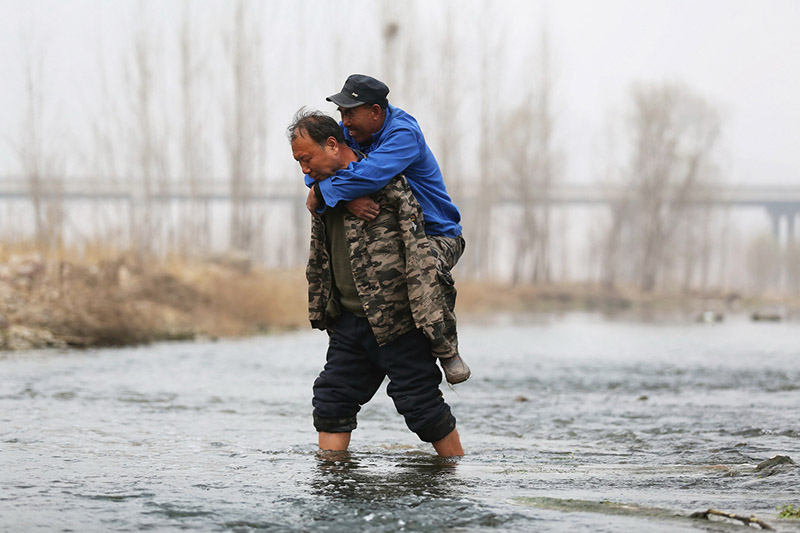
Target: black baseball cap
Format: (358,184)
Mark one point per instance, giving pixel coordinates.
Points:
(359,90)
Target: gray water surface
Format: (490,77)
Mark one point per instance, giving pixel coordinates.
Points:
(570,424)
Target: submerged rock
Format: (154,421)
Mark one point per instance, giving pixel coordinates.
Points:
(773,465)
(767,316)
(709,317)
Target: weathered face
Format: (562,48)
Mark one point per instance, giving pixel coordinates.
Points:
(362,121)
(317,161)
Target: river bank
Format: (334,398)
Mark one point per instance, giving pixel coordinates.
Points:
(125,300)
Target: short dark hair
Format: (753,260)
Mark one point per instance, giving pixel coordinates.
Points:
(316,125)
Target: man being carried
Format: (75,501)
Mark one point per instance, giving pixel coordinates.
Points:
(372,286)
(394,144)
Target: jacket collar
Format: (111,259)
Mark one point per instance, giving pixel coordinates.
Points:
(386,120)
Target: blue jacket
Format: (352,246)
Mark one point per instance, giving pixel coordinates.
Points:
(398,148)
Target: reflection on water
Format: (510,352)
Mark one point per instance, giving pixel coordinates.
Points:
(341,475)
(569,424)
(388,492)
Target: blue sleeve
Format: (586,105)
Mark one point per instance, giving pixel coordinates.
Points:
(392,157)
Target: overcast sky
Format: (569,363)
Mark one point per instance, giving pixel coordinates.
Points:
(741,55)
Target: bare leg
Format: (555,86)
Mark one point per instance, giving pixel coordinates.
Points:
(334,441)
(450,446)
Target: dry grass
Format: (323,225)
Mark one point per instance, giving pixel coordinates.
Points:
(246,302)
(483,297)
(122,299)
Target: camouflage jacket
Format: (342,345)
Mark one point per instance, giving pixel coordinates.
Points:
(395,274)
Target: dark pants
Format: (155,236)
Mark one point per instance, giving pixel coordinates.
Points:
(355,369)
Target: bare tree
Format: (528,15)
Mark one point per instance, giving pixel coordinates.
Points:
(674,134)
(245,123)
(608,230)
(480,209)
(702,233)
(148,141)
(763,259)
(195,147)
(110,134)
(617,234)
(447,107)
(531,156)
(42,166)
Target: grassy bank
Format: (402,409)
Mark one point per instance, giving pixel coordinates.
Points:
(120,299)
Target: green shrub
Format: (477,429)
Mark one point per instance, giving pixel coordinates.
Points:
(789,511)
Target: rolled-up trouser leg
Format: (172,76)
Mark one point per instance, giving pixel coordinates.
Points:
(447,250)
(350,377)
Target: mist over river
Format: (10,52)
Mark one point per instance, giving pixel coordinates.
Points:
(570,423)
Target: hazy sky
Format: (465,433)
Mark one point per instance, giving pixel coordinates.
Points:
(742,55)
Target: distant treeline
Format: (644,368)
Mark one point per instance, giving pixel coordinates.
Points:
(206,95)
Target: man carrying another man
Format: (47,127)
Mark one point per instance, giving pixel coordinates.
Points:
(373,286)
(394,144)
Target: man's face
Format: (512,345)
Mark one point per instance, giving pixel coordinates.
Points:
(317,161)
(362,121)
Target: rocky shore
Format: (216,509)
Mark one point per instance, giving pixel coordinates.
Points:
(125,300)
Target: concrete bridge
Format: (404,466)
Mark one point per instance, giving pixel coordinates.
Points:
(132,189)
(781,202)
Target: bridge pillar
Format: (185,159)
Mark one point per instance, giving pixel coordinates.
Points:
(777,216)
(788,274)
(790,257)
(775,219)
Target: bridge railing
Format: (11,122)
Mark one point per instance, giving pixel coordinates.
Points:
(133,189)
(219,189)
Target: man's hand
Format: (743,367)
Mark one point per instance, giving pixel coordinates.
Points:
(312,202)
(364,208)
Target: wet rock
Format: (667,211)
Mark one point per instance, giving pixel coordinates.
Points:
(23,270)
(774,461)
(18,337)
(774,465)
(767,316)
(521,399)
(708,317)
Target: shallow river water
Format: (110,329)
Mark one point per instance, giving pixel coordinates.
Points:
(570,423)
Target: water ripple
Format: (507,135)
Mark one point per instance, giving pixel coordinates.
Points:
(663,417)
